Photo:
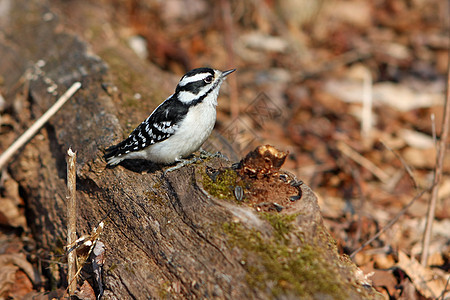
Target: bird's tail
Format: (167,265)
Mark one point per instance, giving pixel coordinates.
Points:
(112,155)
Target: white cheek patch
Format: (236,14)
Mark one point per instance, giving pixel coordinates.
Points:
(190,79)
(187,97)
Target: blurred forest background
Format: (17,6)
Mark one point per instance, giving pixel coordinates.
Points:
(353,89)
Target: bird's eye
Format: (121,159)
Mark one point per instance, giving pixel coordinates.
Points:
(208,79)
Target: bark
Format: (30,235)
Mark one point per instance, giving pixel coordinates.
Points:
(182,235)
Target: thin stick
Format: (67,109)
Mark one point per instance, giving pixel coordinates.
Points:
(358,158)
(404,163)
(27,135)
(92,242)
(366,118)
(229,41)
(71,219)
(389,225)
(437,175)
(433,128)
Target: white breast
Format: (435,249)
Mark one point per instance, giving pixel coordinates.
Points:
(191,134)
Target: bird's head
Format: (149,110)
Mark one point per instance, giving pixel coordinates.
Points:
(200,84)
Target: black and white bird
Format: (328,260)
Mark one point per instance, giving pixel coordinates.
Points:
(178,126)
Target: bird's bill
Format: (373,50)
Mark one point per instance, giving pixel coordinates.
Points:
(226,73)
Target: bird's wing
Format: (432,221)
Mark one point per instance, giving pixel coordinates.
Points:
(159,126)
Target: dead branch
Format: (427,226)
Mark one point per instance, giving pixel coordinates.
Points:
(437,175)
(71,219)
(30,132)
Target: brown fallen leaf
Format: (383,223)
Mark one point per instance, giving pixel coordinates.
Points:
(383,281)
(408,291)
(86,292)
(10,264)
(11,213)
(22,285)
(7,278)
(428,282)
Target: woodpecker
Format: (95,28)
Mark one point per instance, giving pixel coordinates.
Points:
(179,125)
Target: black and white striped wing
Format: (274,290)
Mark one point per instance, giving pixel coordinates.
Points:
(159,126)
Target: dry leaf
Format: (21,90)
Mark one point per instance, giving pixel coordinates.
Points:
(10,214)
(86,292)
(408,290)
(398,96)
(10,264)
(428,282)
(417,139)
(419,158)
(7,278)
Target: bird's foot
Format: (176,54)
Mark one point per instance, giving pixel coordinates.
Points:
(205,154)
(182,163)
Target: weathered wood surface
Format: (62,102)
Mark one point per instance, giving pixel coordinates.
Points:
(165,236)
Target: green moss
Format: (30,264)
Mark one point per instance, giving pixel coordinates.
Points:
(112,268)
(59,248)
(286,268)
(223,184)
(124,77)
(129,82)
(281,223)
(157,185)
(163,290)
(132,102)
(154,197)
(130,267)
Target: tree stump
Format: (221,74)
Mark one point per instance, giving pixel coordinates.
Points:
(208,230)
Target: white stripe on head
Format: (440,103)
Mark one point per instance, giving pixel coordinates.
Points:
(196,77)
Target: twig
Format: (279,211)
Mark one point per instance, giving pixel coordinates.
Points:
(366,120)
(342,60)
(358,158)
(27,135)
(362,200)
(344,163)
(392,222)
(228,33)
(407,168)
(445,289)
(71,219)
(433,128)
(91,242)
(437,175)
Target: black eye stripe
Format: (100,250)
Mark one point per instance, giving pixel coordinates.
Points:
(193,87)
